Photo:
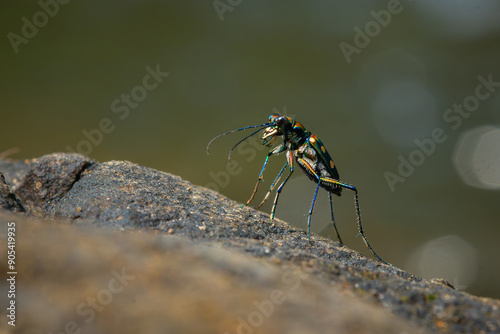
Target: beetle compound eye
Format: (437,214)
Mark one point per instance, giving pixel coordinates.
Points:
(281,121)
(272,117)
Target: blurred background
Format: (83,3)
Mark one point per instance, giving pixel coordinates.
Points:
(405,96)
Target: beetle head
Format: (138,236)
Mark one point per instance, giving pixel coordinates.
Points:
(276,129)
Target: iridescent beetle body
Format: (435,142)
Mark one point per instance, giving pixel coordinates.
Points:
(307,150)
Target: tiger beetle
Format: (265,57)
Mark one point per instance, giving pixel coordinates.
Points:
(312,157)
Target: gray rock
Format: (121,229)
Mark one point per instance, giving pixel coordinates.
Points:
(125,196)
(8,201)
(50,178)
(15,171)
(73,280)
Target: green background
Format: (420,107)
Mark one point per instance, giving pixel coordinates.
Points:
(233,65)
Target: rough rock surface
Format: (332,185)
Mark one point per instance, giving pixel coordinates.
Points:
(201,263)
(8,201)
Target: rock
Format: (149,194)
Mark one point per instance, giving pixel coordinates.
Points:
(50,178)
(15,171)
(107,282)
(211,257)
(8,201)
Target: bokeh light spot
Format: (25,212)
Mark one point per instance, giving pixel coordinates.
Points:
(477,157)
(461,19)
(449,257)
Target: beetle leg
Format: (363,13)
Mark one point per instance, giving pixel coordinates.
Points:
(290,162)
(271,188)
(277,150)
(311,171)
(333,219)
(356,204)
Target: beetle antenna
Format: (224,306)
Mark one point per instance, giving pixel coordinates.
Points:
(241,141)
(244,128)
